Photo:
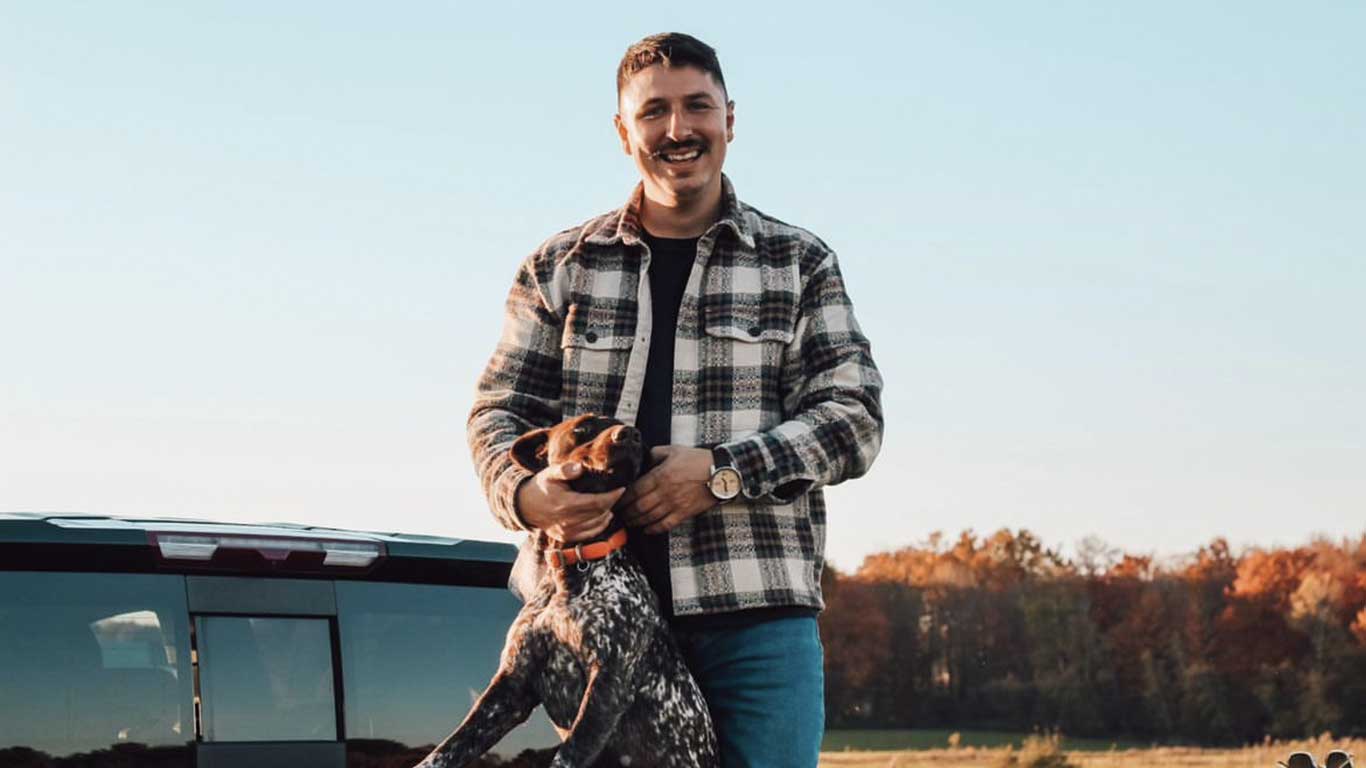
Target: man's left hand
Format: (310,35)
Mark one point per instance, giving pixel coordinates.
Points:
(674,491)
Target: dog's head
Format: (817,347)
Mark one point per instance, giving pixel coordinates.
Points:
(610,452)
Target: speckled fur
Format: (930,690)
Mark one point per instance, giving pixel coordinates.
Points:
(593,648)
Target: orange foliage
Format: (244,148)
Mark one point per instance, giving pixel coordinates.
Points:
(1271,575)
(1001,560)
(1138,567)
(1359,627)
(1003,629)
(1214,563)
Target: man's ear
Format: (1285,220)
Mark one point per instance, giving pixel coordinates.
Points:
(730,121)
(531,451)
(622,133)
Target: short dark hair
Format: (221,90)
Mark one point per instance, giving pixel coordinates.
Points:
(672,49)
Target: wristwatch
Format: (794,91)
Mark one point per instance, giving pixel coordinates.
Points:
(724,482)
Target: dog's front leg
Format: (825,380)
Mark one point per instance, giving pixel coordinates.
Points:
(605,698)
(506,703)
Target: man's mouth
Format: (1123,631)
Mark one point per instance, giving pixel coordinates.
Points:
(685,154)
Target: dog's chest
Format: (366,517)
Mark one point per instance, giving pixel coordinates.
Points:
(606,620)
(562,685)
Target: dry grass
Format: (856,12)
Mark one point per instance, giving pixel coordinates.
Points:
(1256,756)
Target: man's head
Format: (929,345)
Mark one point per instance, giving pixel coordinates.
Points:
(674,117)
(671,49)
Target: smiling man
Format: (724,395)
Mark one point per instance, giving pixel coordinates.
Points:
(727,337)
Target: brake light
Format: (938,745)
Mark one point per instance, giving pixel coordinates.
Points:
(203,546)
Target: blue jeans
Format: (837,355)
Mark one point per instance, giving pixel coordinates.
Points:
(765,686)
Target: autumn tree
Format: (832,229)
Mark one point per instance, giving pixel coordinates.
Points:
(1001,631)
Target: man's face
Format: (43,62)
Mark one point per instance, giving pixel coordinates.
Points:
(675,122)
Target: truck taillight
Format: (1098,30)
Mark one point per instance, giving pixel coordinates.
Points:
(202,547)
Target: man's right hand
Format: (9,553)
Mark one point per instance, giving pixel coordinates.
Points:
(546,501)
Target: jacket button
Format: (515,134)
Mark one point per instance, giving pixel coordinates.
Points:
(591,337)
(754,331)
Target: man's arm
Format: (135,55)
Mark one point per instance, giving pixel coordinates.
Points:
(832,433)
(518,391)
(834,428)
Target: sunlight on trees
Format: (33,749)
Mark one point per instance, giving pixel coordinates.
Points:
(1000,631)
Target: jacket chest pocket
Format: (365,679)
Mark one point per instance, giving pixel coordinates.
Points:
(750,323)
(751,305)
(596,344)
(746,347)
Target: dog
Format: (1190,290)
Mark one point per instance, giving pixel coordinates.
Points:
(591,644)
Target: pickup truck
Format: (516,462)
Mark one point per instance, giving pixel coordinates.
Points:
(183,644)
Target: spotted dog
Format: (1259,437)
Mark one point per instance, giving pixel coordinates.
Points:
(590,643)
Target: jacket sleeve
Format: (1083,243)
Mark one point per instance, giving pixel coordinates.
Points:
(518,391)
(833,415)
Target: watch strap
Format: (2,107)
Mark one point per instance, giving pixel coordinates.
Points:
(720,457)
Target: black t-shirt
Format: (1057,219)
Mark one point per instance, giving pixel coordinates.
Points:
(671,263)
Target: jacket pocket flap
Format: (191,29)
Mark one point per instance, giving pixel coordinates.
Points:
(594,327)
(749,322)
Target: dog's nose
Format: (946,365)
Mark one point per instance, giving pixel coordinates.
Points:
(626,435)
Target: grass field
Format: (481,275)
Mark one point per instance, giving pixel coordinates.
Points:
(988,749)
(930,738)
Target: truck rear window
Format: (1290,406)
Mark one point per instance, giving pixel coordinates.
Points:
(265,679)
(94,664)
(415,658)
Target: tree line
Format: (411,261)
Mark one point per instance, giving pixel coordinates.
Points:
(1002,632)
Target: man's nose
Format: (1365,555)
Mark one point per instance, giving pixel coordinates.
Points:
(679,127)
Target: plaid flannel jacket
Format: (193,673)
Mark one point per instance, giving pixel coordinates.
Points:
(769,363)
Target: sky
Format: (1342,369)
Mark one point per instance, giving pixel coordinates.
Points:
(1110,257)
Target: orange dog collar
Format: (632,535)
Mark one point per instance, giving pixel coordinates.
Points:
(583,553)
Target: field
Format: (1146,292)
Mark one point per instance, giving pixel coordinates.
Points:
(938,739)
(989,749)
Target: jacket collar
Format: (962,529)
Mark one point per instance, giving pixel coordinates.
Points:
(623,225)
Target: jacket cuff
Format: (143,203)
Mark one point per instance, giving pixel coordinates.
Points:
(759,480)
(506,495)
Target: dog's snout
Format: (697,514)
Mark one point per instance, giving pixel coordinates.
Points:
(626,435)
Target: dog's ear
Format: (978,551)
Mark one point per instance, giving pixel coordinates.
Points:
(531,451)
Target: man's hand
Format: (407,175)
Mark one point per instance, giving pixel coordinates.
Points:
(674,491)
(546,501)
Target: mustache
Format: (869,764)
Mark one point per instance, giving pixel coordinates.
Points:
(670,147)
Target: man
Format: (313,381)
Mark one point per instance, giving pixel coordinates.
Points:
(727,338)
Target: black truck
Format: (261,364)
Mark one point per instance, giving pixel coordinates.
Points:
(173,643)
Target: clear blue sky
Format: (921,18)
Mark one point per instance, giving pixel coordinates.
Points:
(1111,258)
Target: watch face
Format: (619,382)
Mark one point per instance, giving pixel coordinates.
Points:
(725,483)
